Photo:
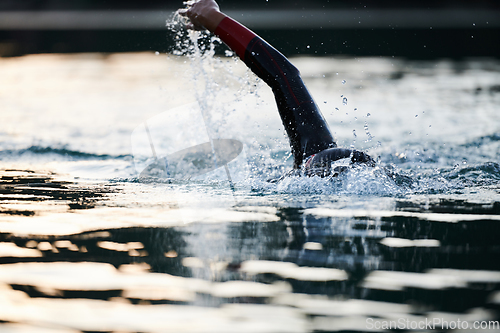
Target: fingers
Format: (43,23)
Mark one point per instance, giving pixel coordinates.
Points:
(200,14)
(192,22)
(191,26)
(187,21)
(188,4)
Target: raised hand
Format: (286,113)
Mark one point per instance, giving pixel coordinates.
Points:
(202,14)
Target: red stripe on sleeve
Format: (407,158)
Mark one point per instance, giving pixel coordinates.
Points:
(235,35)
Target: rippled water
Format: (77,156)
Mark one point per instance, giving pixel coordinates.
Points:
(87,244)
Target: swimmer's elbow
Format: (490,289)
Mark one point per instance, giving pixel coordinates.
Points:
(290,71)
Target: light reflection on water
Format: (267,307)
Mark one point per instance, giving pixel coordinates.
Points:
(306,269)
(86,246)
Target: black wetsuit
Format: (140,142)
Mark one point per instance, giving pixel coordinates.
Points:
(310,138)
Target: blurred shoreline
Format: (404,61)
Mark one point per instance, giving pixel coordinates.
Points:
(383,28)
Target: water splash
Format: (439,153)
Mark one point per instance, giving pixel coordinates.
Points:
(355,180)
(209,89)
(388,180)
(367,132)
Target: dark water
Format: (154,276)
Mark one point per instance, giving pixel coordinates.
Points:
(312,268)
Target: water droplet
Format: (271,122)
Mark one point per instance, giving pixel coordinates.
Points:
(157,53)
(344,81)
(344,101)
(416,115)
(367,132)
(337,109)
(355,118)
(368,114)
(324,102)
(307,46)
(355,109)
(430,125)
(354,133)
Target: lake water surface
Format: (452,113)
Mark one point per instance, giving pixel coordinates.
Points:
(89,242)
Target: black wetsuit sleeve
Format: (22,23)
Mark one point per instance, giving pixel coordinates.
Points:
(306,127)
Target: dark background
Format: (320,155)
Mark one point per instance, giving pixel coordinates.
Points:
(240,4)
(468,37)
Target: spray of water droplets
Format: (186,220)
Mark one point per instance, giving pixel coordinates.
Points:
(367,132)
(209,73)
